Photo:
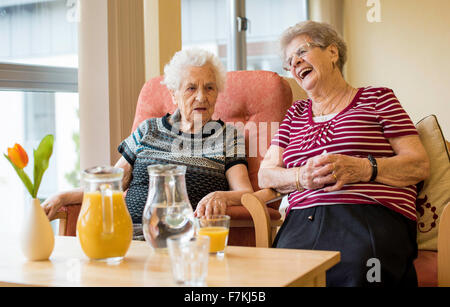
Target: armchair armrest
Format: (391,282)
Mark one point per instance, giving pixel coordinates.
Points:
(62,217)
(255,203)
(444,248)
(68,216)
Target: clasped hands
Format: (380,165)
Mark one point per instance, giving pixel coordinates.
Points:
(334,170)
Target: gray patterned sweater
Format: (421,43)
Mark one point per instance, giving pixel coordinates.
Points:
(207,156)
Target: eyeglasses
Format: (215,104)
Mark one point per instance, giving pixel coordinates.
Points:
(301,52)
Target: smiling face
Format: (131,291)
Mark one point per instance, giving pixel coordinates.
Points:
(311,66)
(196,97)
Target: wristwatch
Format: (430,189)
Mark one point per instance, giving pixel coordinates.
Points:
(373,162)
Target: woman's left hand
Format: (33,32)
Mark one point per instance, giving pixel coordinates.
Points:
(339,170)
(215,203)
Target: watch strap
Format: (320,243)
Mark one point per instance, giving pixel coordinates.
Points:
(374,164)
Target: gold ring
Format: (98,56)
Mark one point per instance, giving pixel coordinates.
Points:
(334,175)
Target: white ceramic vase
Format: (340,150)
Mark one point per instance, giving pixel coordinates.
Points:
(37,239)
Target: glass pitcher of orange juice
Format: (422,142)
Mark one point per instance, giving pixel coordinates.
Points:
(104,226)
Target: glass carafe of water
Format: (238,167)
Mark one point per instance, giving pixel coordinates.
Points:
(167,211)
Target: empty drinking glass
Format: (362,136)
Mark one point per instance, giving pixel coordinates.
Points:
(189,259)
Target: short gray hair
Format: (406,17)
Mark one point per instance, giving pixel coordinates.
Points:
(321,33)
(192,57)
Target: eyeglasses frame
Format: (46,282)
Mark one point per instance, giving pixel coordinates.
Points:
(287,65)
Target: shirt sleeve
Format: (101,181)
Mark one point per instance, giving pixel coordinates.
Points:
(281,138)
(132,144)
(392,117)
(234,147)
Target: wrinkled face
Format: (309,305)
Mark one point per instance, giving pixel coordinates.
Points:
(196,97)
(309,64)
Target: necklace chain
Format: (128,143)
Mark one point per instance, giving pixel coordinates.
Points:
(334,108)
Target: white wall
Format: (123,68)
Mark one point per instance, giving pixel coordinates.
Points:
(407,51)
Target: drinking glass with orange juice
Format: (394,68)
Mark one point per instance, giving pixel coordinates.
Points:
(104,226)
(216,227)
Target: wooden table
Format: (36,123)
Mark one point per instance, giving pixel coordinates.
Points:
(241,266)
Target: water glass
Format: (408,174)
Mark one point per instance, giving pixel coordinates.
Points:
(189,259)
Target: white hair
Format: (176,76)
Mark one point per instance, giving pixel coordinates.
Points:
(192,57)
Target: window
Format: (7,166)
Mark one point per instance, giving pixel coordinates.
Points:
(38,32)
(206,24)
(38,96)
(268,19)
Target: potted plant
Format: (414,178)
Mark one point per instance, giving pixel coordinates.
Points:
(37,239)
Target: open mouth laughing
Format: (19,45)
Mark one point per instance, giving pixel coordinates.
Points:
(304,72)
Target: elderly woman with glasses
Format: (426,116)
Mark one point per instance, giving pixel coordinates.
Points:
(349,158)
(213,152)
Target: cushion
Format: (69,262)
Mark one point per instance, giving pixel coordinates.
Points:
(434,194)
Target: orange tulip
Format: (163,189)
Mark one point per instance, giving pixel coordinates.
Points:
(18,156)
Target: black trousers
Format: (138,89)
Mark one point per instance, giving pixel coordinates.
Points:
(377,245)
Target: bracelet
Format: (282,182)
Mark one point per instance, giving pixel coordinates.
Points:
(374,164)
(297,181)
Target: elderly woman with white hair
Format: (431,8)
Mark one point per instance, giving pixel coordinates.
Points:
(349,158)
(212,151)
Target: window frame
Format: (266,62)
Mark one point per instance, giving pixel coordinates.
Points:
(238,23)
(38,78)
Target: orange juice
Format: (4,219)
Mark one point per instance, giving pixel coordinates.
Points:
(97,241)
(217,235)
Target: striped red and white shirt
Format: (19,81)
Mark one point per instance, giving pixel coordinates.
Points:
(362,128)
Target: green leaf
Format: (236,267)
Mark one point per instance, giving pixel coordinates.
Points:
(41,160)
(23,176)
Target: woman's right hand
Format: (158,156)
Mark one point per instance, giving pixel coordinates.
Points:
(52,204)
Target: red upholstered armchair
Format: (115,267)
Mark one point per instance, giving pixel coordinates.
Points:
(251,98)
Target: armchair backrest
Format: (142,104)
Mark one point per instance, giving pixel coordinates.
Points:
(254,99)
